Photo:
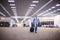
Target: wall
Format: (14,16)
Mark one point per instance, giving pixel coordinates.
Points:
(46,19)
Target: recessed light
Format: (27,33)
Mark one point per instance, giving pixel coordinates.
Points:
(13,7)
(49,9)
(54,11)
(12,4)
(53,7)
(2,14)
(35,1)
(57,4)
(33,5)
(46,14)
(10,0)
(58,9)
(14,11)
(40,14)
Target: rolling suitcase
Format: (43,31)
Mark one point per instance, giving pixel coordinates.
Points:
(31,29)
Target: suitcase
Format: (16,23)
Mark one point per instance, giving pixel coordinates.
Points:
(31,29)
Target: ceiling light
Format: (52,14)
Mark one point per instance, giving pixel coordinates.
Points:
(32,5)
(54,11)
(49,9)
(13,7)
(42,7)
(43,12)
(14,11)
(57,4)
(50,13)
(46,14)
(35,1)
(58,9)
(53,7)
(2,14)
(28,12)
(10,0)
(5,9)
(20,17)
(40,14)
(12,4)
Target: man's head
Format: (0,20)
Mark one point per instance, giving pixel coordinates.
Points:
(35,16)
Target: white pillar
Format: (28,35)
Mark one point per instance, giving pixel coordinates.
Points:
(12,22)
(57,20)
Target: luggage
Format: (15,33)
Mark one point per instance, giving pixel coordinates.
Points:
(31,29)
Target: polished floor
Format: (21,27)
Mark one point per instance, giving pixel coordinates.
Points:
(20,33)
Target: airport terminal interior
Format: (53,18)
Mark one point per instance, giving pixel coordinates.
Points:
(16,19)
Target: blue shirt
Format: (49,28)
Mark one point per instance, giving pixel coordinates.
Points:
(35,20)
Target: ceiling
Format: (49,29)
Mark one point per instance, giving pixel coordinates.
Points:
(23,8)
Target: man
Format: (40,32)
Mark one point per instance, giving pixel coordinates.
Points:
(35,21)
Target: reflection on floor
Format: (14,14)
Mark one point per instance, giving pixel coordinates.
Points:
(17,33)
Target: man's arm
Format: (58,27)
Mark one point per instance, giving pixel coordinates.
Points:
(38,20)
(33,20)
